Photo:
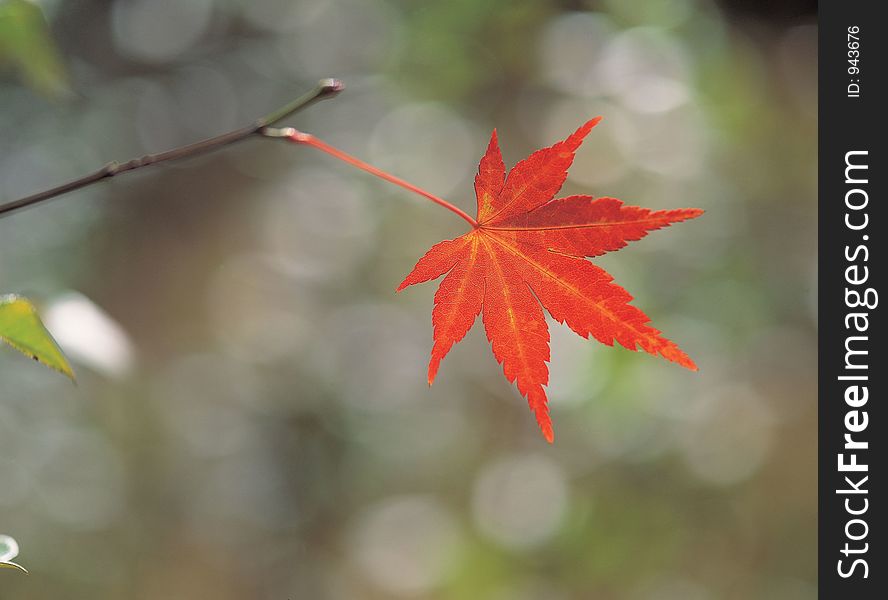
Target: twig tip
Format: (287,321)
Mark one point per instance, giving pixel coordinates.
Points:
(331,86)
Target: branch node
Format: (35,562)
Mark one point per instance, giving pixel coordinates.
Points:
(275,132)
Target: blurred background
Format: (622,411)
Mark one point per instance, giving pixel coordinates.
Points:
(252,418)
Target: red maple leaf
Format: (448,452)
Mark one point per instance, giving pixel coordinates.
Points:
(527,251)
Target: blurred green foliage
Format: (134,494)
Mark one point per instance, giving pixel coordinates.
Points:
(26,46)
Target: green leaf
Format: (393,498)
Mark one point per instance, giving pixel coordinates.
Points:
(26,45)
(8,550)
(21,328)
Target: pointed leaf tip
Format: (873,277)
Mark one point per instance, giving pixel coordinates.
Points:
(11,565)
(21,328)
(584,130)
(593,122)
(549,434)
(434,363)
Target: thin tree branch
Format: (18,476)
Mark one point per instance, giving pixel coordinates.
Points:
(326,88)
